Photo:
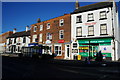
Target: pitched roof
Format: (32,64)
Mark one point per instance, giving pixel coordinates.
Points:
(93,7)
(20,34)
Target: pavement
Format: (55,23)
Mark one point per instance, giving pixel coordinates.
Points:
(30,68)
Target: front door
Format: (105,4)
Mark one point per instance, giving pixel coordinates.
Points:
(67,51)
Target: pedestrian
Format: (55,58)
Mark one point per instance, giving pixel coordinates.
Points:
(99,56)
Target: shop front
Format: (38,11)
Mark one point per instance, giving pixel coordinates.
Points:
(90,47)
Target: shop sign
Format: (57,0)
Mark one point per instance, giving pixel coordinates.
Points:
(61,41)
(74,50)
(83,47)
(93,23)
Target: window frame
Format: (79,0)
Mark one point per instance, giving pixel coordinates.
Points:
(77,32)
(104,15)
(35,28)
(103,29)
(61,34)
(91,30)
(40,37)
(48,36)
(48,25)
(41,27)
(90,17)
(60,22)
(59,50)
(79,19)
(24,39)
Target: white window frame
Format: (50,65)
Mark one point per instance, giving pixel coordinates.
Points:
(105,29)
(90,16)
(61,32)
(59,50)
(61,21)
(48,37)
(79,19)
(79,31)
(48,25)
(34,37)
(35,28)
(103,15)
(91,30)
(40,37)
(41,27)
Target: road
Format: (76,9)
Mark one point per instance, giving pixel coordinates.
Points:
(28,68)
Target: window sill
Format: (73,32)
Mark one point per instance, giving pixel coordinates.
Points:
(90,35)
(102,18)
(78,36)
(103,34)
(90,20)
(79,22)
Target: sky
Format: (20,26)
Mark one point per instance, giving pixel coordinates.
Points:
(20,14)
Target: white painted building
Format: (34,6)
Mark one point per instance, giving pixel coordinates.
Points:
(17,40)
(95,28)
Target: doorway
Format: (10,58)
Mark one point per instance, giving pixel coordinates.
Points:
(67,51)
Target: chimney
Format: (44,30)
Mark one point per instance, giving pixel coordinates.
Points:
(14,30)
(38,20)
(77,4)
(27,28)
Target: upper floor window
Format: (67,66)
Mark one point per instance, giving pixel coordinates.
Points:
(103,15)
(79,19)
(48,36)
(61,22)
(41,27)
(24,40)
(79,31)
(40,37)
(48,25)
(34,38)
(90,17)
(103,29)
(91,30)
(35,28)
(61,34)
(74,45)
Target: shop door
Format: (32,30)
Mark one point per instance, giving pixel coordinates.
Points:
(93,50)
(67,51)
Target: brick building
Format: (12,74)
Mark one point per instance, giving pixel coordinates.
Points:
(3,40)
(55,33)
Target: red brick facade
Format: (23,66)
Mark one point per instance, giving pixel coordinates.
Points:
(54,30)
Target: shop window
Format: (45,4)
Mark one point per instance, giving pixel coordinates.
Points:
(48,36)
(103,29)
(74,45)
(48,25)
(41,27)
(90,30)
(58,50)
(103,15)
(61,34)
(79,19)
(90,17)
(61,22)
(79,31)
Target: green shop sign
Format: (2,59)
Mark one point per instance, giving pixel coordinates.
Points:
(104,40)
